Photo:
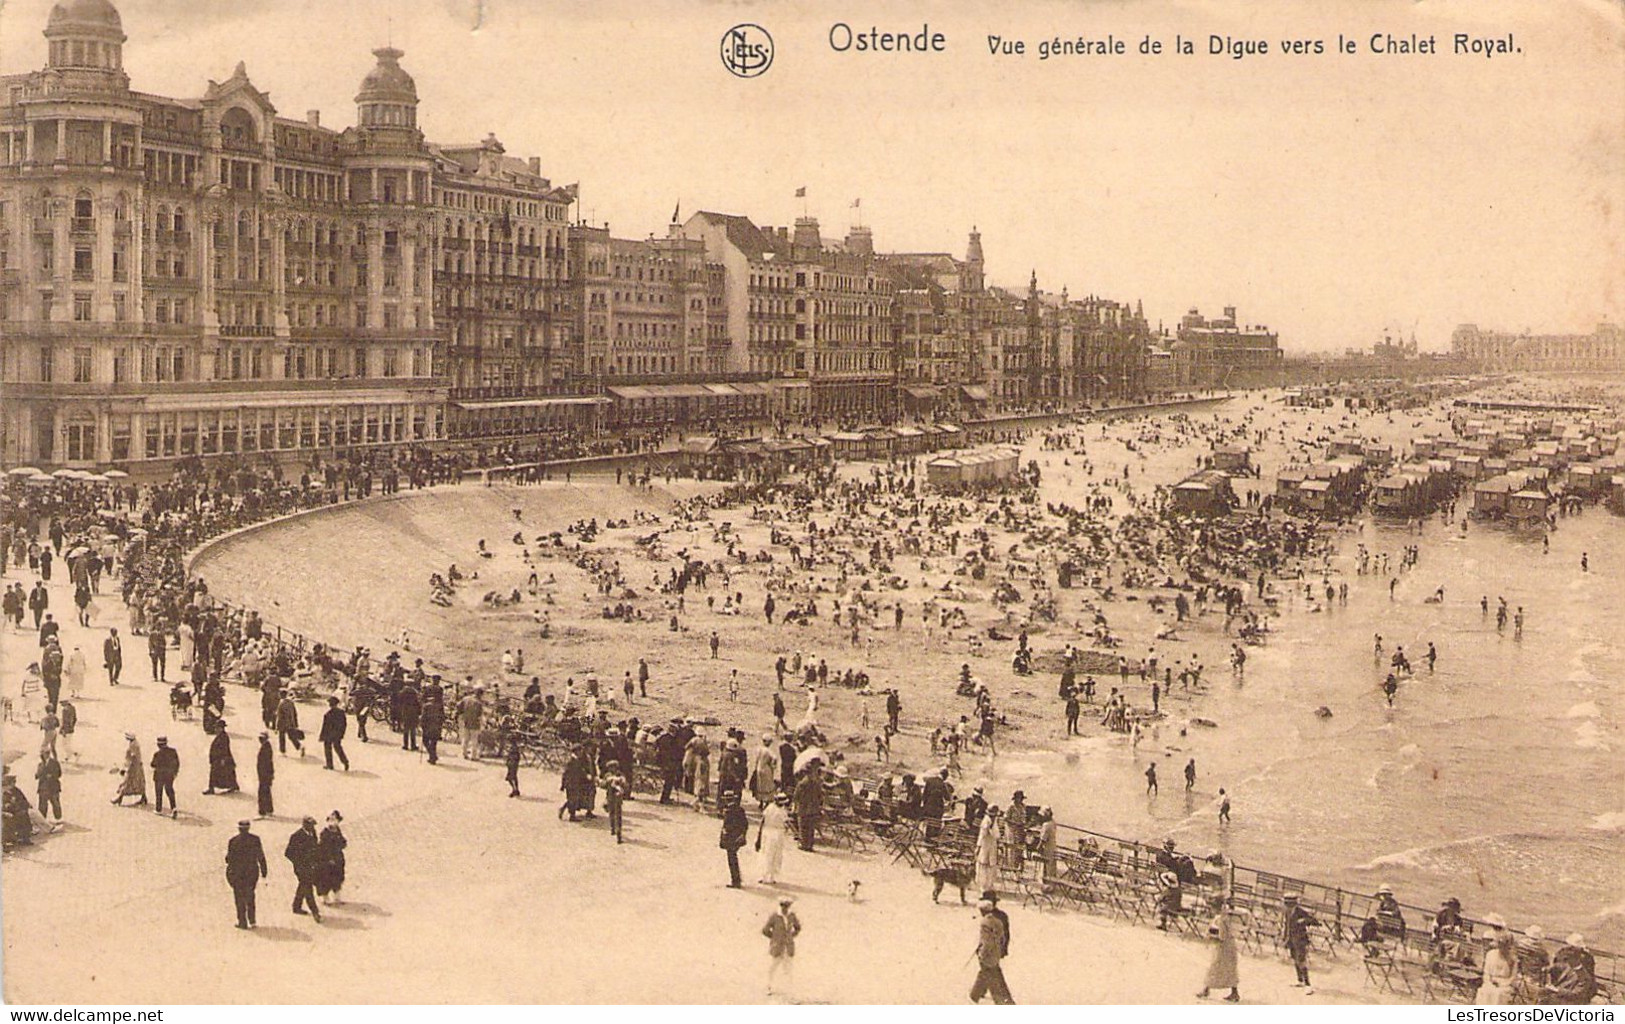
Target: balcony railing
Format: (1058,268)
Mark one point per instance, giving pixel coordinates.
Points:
(247,331)
(82,225)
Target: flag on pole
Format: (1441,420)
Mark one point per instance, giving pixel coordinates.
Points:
(675,210)
(801,193)
(856,203)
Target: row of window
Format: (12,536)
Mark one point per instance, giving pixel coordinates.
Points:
(162,364)
(210,432)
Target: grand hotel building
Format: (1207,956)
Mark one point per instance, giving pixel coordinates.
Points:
(197,277)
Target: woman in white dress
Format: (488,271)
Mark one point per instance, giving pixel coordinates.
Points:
(775,829)
(987,852)
(188,645)
(1500,965)
(74,672)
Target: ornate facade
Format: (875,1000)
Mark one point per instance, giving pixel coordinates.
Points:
(1221,352)
(199,277)
(1602,349)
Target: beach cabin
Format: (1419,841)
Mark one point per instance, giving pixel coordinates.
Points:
(987,466)
(1379,456)
(1315,496)
(1207,493)
(850,445)
(1399,494)
(1490,497)
(1527,506)
(950,436)
(1232,459)
(1583,479)
(910,440)
(1346,446)
(1288,483)
(1616,494)
(1467,467)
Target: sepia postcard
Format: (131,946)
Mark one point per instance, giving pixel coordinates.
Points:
(1085,502)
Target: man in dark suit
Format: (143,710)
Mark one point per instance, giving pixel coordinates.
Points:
(166,766)
(332,734)
(245,866)
(301,852)
(265,768)
(113,657)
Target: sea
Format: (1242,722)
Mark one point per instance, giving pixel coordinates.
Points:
(1497,778)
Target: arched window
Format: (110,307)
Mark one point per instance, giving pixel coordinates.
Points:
(237,127)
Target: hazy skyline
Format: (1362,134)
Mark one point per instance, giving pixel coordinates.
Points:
(1329,197)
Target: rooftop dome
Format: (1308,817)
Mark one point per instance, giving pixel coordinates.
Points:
(85,17)
(386,83)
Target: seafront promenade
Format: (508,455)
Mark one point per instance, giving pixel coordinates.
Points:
(459,894)
(409,822)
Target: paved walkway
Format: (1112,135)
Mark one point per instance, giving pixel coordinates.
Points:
(458,894)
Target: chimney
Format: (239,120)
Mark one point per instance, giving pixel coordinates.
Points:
(313,118)
(808,244)
(860,241)
(784,234)
(536,166)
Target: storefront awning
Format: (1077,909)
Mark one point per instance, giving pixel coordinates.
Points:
(974,392)
(533,403)
(922,392)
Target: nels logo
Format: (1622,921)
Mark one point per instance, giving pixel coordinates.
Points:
(747,50)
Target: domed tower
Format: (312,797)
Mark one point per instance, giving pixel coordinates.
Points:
(87,36)
(974,268)
(388,96)
(389,168)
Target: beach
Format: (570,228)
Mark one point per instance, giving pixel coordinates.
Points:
(1493,779)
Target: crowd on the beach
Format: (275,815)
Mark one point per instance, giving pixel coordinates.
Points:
(834,559)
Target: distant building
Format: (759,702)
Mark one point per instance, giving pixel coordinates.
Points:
(1223,353)
(1602,349)
(818,317)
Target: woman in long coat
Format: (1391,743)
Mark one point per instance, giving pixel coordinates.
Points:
(222,765)
(330,860)
(987,852)
(1222,971)
(764,780)
(771,840)
(577,785)
(135,773)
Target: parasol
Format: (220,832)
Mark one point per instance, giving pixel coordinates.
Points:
(25,471)
(808,756)
(66,474)
(116,474)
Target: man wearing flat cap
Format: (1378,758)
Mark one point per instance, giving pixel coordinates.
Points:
(245,866)
(166,765)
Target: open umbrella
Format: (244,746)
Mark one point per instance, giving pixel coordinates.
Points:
(116,474)
(94,478)
(66,474)
(25,471)
(808,756)
(40,480)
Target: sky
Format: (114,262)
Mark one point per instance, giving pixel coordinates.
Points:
(1332,197)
